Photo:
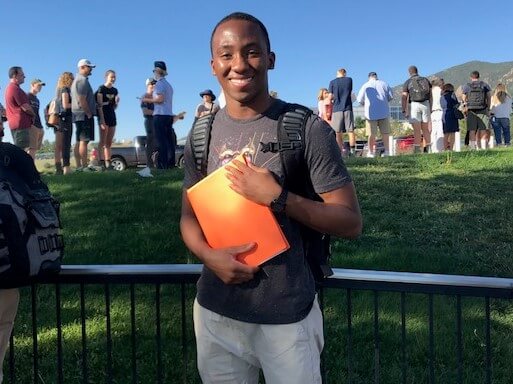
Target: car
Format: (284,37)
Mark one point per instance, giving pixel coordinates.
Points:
(123,157)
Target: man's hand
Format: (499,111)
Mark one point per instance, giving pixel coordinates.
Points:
(254,183)
(224,263)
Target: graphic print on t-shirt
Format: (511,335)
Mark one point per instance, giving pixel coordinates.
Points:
(223,151)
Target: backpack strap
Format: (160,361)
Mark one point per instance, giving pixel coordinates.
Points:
(200,141)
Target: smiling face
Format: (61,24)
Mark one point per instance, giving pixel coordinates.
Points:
(240,61)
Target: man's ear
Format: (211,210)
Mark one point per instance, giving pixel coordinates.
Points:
(212,67)
(272,60)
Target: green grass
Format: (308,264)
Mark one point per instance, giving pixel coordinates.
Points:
(437,213)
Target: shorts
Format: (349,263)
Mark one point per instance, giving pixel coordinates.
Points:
(110,118)
(372,126)
(85,130)
(36,137)
(21,137)
(342,121)
(420,112)
(231,351)
(477,121)
(65,125)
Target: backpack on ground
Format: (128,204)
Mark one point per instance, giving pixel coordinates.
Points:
(476,97)
(419,89)
(290,146)
(30,239)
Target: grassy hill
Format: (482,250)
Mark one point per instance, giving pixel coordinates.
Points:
(492,73)
(431,213)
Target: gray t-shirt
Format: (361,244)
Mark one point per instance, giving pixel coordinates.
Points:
(285,292)
(81,86)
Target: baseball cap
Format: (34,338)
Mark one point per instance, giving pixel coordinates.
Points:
(150,80)
(37,81)
(85,62)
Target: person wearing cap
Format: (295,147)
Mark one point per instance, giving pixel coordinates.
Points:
(20,114)
(36,130)
(375,95)
(147,110)
(208,106)
(83,107)
(162,98)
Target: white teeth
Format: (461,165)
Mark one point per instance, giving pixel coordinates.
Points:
(240,81)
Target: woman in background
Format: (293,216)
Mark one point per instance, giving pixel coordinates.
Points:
(324,105)
(207,106)
(449,103)
(64,130)
(499,115)
(107,100)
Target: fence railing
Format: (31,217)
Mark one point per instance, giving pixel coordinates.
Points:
(347,331)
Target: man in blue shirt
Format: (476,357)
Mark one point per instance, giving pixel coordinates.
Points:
(374,95)
(342,121)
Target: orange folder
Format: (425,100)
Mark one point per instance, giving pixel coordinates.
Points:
(229,219)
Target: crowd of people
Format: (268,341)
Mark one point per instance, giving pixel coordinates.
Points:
(267,317)
(431,107)
(75,106)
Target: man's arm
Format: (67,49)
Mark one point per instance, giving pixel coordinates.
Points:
(338,214)
(222,262)
(27,108)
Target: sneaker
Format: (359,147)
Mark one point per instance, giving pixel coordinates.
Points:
(370,154)
(79,169)
(90,168)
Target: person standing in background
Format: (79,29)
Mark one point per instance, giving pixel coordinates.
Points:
(499,115)
(416,102)
(64,130)
(436,124)
(107,100)
(36,130)
(147,110)
(162,98)
(324,105)
(207,106)
(20,114)
(83,107)
(342,120)
(375,95)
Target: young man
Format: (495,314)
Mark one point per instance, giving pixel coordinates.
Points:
(417,95)
(247,318)
(83,108)
(342,120)
(36,130)
(477,97)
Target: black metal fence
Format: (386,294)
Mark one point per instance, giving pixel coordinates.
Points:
(395,353)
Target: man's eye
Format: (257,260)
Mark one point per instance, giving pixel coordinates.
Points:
(225,55)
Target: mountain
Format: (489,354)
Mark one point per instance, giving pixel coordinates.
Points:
(491,73)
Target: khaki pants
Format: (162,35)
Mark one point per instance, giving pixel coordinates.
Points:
(9,299)
(231,351)
(36,137)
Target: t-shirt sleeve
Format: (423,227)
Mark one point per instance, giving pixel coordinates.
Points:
(405,86)
(81,88)
(322,154)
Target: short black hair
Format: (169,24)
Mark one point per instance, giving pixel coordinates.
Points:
(246,17)
(13,71)
(474,75)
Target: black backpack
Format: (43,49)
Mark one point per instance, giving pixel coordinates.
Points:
(419,89)
(30,239)
(476,97)
(290,146)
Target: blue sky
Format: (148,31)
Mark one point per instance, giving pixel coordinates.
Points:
(311,39)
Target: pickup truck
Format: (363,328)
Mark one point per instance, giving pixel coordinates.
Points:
(135,156)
